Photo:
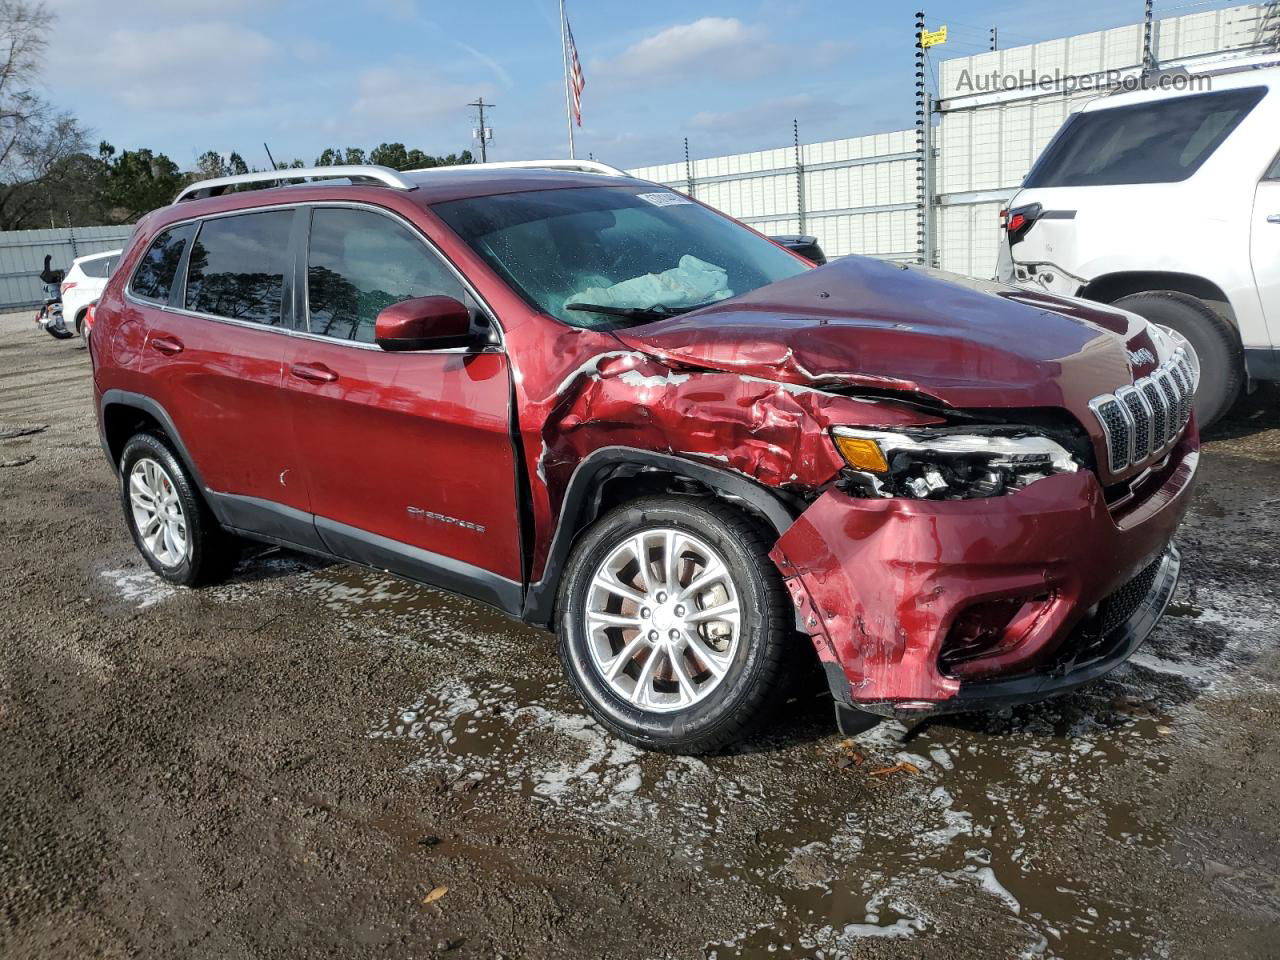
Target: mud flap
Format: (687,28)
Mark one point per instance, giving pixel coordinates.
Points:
(851,721)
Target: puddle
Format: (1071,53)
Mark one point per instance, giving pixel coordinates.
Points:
(829,858)
(138,588)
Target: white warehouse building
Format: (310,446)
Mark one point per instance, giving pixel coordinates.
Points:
(861,195)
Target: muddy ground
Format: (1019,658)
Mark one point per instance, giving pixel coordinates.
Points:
(289,764)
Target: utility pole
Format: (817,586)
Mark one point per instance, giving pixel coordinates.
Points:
(482,133)
(995,38)
(924,218)
(1148,28)
(688,168)
(795,134)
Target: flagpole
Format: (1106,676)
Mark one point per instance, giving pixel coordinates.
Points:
(568,97)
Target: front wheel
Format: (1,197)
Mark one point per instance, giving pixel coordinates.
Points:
(674,624)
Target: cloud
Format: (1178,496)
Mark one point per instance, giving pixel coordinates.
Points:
(712,43)
(198,67)
(397,102)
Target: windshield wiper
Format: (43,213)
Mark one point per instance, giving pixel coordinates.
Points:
(656,312)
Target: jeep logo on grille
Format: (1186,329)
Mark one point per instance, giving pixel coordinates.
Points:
(1141,357)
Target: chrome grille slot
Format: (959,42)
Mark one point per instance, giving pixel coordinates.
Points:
(1140,414)
(1115,425)
(1183,386)
(1142,421)
(1172,404)
(1159,420)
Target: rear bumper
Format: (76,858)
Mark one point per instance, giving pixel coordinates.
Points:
(880,585)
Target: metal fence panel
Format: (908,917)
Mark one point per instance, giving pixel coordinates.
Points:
(859,194)
(22,254)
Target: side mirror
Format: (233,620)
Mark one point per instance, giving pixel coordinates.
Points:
(423,323)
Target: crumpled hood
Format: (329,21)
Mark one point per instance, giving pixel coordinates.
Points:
(860,322)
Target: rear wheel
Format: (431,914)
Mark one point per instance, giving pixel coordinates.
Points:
(1215,342)
(172,527)
(674,624)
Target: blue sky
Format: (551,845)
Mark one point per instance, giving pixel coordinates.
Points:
(185,76)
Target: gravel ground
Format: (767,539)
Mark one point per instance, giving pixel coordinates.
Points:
(290,764)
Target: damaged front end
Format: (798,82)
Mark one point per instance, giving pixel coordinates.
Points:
(957,537)
(964,575)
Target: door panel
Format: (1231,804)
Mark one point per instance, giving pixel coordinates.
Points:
(1264,251)
(220,377)
(409,448)
(414,447)
(223,389)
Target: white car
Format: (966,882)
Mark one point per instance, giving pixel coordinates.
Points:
(82,286)
(1166,202)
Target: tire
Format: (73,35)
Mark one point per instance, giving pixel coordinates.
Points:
(1215,343)
(81,328)
(719,681)
(195,551)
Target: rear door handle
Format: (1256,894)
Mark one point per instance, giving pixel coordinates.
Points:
(1274,218)
(313,372)
(167,345)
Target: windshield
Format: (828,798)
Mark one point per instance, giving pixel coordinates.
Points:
(609,257)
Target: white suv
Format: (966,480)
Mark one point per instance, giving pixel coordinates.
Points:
(83,285)
(1166,202)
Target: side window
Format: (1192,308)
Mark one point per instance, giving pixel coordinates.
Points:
(109,266)
(359,263)
(153,280)
(237,267)
(1274,172)
(94,268)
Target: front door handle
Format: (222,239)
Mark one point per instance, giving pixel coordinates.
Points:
(313,372)
(169,346)
(1274,218)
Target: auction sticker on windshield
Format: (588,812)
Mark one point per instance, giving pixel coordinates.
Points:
(664,199)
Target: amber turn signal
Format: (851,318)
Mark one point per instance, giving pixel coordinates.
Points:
(862,454)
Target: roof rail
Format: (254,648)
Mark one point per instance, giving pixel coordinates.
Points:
(582,166)
(369,172)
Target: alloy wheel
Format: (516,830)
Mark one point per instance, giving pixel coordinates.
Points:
(663,619)
(157,512)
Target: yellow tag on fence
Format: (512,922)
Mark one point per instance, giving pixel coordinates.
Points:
(931,38)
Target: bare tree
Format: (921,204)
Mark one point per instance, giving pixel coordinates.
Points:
(37,141)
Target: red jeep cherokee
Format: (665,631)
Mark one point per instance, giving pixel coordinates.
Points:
(611,411)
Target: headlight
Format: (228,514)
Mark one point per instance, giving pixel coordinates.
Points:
(929,465)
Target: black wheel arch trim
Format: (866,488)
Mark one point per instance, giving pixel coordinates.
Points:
(582,500)
(152,408)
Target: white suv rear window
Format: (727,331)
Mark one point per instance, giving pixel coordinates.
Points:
(1164,141)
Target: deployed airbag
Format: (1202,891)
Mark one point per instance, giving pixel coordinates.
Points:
(692,282)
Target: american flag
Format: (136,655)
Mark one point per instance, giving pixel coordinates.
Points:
(576,80)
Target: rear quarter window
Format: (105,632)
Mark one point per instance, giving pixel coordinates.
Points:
(1164,141)
(99,269)
(153,280)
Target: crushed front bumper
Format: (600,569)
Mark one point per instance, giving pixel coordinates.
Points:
(880,585)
